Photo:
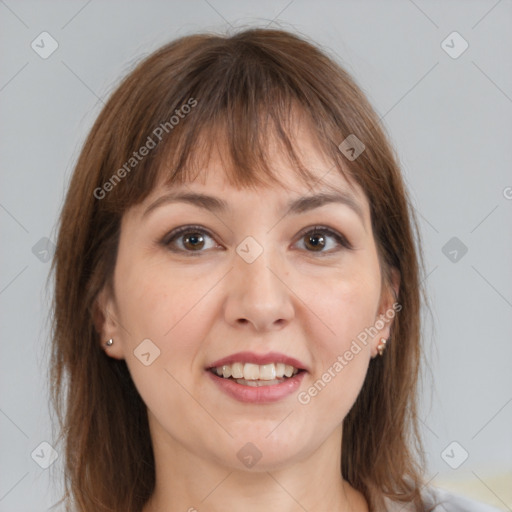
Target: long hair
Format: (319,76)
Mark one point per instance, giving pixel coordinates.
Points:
(179,103)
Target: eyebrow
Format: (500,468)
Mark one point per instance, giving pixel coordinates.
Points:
(294,206)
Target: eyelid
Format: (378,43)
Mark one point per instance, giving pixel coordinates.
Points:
(177,232)
(184,229)
(339,237)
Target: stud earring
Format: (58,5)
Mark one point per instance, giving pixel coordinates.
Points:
(381,346)
(109,343)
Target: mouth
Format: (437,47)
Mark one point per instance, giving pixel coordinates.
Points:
(254,375)
(257,378)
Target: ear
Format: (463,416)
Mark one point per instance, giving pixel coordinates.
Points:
(388,308)
(104,320)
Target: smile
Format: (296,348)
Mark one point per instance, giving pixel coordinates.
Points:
(257,378)
(250,374)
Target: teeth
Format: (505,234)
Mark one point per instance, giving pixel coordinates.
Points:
(237,371)
(254,372)
(251,371)
(226,371)
(268,371)
(288,370)
(258,383)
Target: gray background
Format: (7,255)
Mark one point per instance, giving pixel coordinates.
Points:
(450,119)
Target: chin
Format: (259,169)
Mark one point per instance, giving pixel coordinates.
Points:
(258,452)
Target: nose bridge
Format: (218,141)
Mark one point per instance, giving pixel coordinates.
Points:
(255,265)
(258,294)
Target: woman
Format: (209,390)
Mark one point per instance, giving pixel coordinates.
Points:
(238,293)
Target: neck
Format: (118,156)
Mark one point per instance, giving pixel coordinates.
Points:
(185,481)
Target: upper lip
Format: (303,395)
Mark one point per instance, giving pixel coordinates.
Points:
(260,359)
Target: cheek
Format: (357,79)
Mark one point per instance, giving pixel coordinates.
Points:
(347,305)
(155,302)
(172,309)
(172,313)
(341,360)
(342,347)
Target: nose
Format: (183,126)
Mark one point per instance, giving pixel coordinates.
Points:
(258,297)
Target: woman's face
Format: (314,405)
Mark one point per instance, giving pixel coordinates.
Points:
(255,277)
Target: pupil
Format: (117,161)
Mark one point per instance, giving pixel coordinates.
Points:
(194,239)
(315,241)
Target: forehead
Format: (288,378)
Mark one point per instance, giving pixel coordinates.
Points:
(215,172)
(213,189)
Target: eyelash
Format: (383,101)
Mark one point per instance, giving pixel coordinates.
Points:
(176,233)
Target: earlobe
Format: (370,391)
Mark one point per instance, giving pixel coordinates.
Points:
(387,311)
(106,325)
(381,346)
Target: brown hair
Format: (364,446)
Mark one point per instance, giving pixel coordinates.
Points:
(240,89)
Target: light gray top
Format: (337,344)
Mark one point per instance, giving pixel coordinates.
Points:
(440,500)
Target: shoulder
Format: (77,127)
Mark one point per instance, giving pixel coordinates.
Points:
(440,500)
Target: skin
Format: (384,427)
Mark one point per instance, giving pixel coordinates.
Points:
(197,309)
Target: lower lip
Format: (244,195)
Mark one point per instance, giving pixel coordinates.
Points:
(260,394)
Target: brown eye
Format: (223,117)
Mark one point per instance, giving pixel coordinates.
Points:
(188,239)
(193,241)
(323,240)
(315,241)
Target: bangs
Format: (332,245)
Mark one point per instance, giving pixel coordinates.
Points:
(245,148)
(240,103)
